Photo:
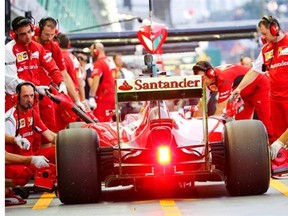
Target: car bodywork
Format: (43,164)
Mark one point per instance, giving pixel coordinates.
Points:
(159,147)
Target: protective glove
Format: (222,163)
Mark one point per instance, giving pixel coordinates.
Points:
(275,147)
(62,88)
(40,161)
(23,143)
(42,89)
(80,105)
(92,103)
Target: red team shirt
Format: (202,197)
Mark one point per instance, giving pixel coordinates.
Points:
(24,124)
(106,89)
(229,76)
(105,95)
(71,68)
(53,50)
(275,57)
(29,61)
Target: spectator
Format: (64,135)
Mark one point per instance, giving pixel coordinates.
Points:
(274,59)
(44,34)
(23,60)
(86,69)
(23,122)
(102,91)
(225,78)
(121,72)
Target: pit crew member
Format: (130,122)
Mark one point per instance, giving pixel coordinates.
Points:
(45,32)
(274,59)
(22,122)
(23,60)
(225,78)
(102,90)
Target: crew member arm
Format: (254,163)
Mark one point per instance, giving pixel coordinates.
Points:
(70,86)
(11,76)
(11,158)
(50,136)
(94,86)
(49,64)
(220,107)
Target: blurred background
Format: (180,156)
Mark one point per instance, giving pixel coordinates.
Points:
(99,19)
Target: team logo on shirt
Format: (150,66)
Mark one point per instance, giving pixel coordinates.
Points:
(35,55)
(268,55)
(30,121)
(283,51)
(22,56)
(21,123)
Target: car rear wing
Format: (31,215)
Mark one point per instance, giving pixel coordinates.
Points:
(161,88)
(158,88)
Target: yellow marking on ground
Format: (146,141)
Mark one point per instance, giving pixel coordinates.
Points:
(279,186)
(44,201)
(170,208)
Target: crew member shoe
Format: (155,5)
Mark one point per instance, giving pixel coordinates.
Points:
(11,199)
(280,163)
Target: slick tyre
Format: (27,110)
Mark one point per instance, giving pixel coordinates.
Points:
(247,158)
(75,124)
(78,166)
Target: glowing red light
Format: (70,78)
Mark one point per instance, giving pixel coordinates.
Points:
(164,155)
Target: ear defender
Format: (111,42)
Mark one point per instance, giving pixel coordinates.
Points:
(16,96)
(21,21)
(95,52)
(210,72)
(272,25)
(12,34)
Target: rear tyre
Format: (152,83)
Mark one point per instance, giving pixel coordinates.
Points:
(75,124)
(78,166)
(247,158)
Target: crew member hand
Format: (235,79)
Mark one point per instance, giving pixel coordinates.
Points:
(23,143)
(80,105)
(62,88)
(42,89)
(40,161)
(92,103)
(275,147)
(235,92)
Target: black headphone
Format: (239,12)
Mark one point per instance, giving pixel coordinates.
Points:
(19,86)
(273,25)
(43,21)
(17,99)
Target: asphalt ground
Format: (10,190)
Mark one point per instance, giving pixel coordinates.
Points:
(207,198)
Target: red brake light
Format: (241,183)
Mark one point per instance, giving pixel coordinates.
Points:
(164,155)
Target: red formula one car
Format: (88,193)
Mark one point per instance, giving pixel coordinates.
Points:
(156,147)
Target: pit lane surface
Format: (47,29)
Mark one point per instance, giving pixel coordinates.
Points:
(209,198)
